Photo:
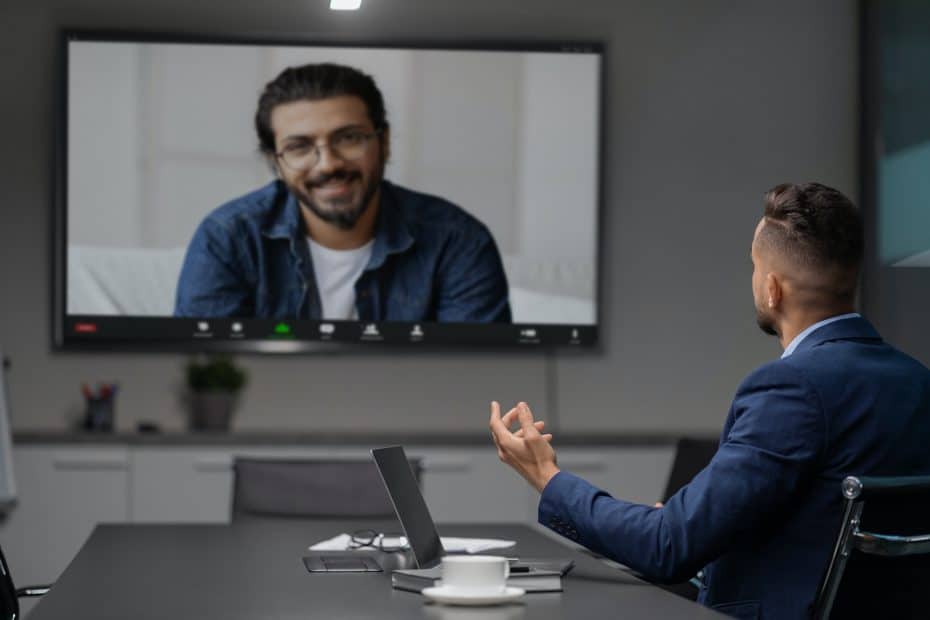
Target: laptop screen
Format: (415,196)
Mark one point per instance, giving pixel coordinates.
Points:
(409,505)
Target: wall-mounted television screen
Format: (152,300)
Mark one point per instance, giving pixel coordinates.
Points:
(262,194)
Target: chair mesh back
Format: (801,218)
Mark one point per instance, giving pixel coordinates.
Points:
(310,488)
(875,586)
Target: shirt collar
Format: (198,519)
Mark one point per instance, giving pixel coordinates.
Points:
(804,334)
(286,222)
(392,234)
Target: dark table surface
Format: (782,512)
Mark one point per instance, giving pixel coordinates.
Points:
(254,570)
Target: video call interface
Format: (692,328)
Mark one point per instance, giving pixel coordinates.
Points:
(179,226)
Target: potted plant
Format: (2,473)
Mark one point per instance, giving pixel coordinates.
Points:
(214,383)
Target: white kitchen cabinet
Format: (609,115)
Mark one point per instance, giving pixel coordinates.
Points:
(63,493)
(65,490)
(194,485)
(471,485)
(181,485)
(637,474)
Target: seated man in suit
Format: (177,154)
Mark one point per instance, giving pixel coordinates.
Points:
(762,517)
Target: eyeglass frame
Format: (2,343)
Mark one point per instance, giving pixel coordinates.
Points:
(371,539)
(317,148)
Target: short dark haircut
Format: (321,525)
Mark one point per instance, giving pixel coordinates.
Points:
(312,83)
(820,230)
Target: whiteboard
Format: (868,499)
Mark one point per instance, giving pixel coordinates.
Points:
(7,481)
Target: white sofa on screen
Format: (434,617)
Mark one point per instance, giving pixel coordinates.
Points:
(142,282)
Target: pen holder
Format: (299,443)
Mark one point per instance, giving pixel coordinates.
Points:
(98,416)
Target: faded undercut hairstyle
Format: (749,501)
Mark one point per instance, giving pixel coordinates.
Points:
(312,83)
(820,230)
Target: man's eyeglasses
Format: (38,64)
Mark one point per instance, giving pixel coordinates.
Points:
(346,145)
(370,539)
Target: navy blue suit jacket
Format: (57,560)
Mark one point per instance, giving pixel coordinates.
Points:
(762,517)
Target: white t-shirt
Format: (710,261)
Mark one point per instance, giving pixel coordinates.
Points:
(336,272)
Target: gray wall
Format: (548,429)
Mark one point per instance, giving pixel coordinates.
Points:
(709,104)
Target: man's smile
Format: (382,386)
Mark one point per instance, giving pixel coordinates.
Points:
(335,187)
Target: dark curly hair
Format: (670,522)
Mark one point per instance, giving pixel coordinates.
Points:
(314,82)
(820,230)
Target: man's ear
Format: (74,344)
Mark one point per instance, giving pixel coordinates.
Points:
(773,290)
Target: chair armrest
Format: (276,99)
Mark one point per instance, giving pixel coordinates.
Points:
(890,546)
(32,591)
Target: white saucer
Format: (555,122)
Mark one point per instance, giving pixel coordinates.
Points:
(455,596)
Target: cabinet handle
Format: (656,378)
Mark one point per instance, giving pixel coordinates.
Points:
(213,466)
(582,466)
(91,464)
(445,465)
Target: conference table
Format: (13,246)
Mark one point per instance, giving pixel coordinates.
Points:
(254,570)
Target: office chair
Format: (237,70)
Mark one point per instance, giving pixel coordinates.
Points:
(9,595)
(317,488)
(880,567)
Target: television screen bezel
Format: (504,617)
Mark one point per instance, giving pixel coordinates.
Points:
(465,336)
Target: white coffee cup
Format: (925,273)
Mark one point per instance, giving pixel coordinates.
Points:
(474,573)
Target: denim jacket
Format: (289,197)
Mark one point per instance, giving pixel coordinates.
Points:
(431,261)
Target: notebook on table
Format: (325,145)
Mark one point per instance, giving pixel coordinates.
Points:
(532,575)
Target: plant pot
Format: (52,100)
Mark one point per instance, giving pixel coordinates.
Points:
(212,411)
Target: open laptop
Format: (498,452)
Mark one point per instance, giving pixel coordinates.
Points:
(411,510)
(534,574)
(409,505)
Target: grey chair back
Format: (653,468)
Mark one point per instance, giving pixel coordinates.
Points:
(880,567)
(311,488)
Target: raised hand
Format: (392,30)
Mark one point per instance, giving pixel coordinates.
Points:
(527,450)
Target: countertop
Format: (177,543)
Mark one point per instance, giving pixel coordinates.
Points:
(327,438)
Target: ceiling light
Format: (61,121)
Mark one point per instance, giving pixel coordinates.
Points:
(345,5)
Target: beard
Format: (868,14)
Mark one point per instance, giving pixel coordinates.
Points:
(342,212)
(765,322)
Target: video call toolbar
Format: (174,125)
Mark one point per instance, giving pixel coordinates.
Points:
(213,333)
